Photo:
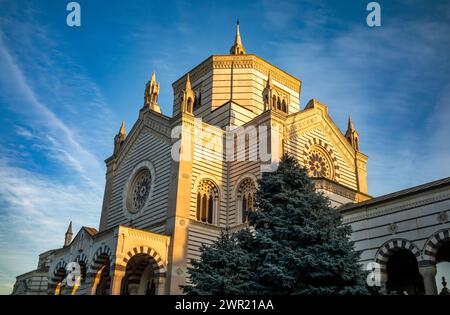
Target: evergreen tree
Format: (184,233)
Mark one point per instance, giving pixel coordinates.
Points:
(225,267)
(297,245)
(303,247)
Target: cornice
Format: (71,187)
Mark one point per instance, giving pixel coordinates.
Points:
(377,210)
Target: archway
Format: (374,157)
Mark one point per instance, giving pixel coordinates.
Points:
(101,272)
(142,276)
(403,273)
(442,265)
(57,284)
(102,278)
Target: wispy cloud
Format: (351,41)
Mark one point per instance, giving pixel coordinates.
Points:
(393,81)
(51,102)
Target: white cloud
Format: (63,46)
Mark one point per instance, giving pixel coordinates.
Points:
(37,201)
(35,213)
(393,81)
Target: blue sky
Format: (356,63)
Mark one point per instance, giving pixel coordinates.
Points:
(64,92)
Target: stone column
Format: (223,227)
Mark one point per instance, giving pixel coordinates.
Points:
(116,281)
(428,272)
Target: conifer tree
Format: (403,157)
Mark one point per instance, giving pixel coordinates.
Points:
(225,267)
(303,247)
(296,244)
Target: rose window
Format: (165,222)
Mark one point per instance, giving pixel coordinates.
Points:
(140,190)
(318,164)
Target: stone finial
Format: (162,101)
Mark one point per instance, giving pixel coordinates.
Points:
(188,97)
(352,135)
(120,137)
(237,48)
(122,129)
(268,93)
(68,235)
(151,94)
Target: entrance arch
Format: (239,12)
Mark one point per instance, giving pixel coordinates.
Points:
(57,283)
(403,274)
(100,271)
(144,272)
(384,255)
(437,254)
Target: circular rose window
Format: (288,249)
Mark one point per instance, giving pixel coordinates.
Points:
(318,164)
(140,190)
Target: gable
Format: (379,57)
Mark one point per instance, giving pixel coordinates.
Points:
(313,128)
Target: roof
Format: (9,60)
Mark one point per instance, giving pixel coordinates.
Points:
(399,194)
(91,231)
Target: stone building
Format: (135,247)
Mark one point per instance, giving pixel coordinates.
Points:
(174,183)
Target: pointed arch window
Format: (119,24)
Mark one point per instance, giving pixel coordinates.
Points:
(245,199)
(189,105)
(274,102)
(283,106)
(207,201)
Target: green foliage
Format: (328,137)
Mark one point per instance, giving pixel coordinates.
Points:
(297,245)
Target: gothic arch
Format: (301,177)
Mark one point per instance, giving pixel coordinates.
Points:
(433,244)
(385,251)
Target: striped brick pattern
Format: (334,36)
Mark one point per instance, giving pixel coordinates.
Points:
(389,247)
(151,256)
(434,243)
(58,275)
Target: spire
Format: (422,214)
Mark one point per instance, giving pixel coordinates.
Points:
(350,127)
(237,48)
(68,235)
(269,80)
(188,98)
(122,131)
(119,139)
(352,135)
(153,78)
(188,83)
(268,93)
(151,94)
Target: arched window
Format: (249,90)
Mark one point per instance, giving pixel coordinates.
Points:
(274,102)
(198,100)
(245,199)
(278,104)
(207,200)
(356,144)
(189,105)
(283,106)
